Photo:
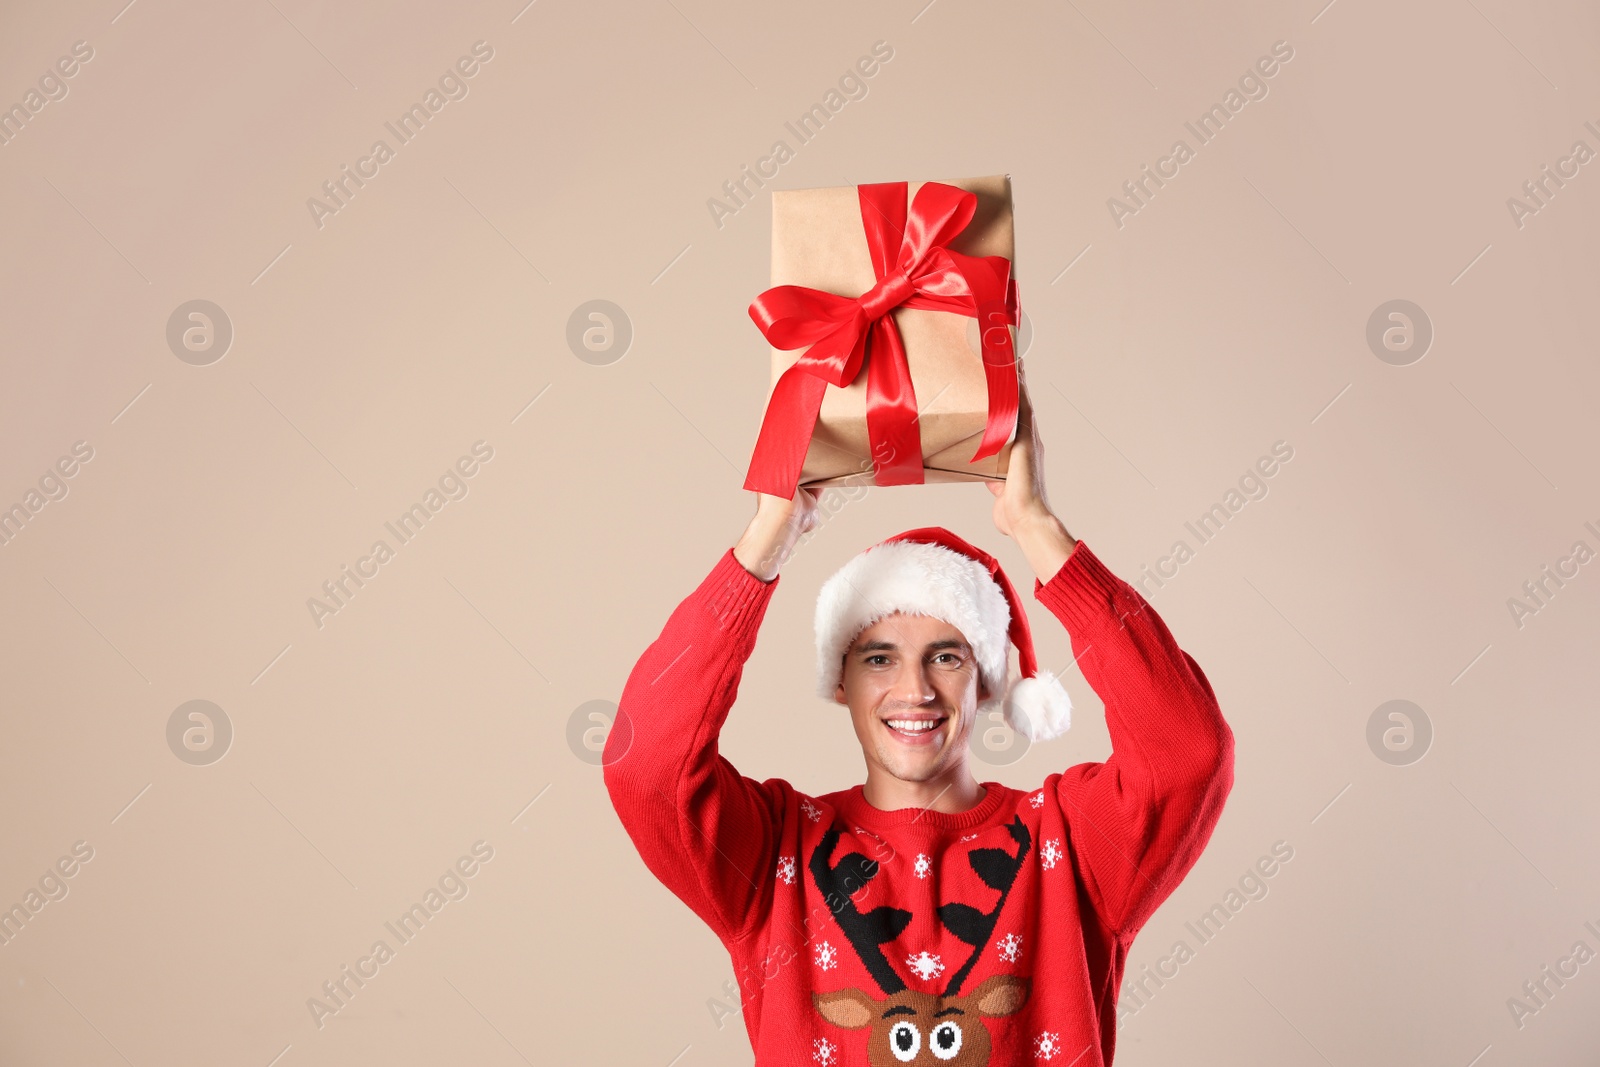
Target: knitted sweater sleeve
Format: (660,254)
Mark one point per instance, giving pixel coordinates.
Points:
(707,832)
(1138,821)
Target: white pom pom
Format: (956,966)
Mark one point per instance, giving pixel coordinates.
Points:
(1039,708)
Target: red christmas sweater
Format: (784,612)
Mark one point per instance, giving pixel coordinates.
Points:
(996,935)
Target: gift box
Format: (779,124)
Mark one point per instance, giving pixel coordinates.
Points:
(891,315)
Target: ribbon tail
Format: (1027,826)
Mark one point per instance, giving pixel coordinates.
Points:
(995,303)
(892,426)
(785,437)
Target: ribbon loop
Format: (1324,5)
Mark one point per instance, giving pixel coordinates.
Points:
(914,269)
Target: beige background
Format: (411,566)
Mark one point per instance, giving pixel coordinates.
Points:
(1169,354)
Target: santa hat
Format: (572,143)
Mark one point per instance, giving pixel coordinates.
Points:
(930,571)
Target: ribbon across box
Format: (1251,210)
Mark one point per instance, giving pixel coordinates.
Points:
(891,316)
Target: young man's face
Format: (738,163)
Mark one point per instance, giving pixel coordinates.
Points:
(912,685)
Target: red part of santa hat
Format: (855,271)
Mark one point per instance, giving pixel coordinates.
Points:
(930,571)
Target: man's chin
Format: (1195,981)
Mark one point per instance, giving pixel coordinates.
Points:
(913,769)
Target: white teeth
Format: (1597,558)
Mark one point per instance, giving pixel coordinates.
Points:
(913,726)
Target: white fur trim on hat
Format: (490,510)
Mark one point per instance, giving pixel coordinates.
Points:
(915,578)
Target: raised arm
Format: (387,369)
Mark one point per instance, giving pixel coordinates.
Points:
(1139,820)
(706,831)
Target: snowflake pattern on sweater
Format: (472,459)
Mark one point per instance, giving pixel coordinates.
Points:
(994,936)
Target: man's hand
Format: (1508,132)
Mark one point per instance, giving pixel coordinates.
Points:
(772,534)
(1021,511)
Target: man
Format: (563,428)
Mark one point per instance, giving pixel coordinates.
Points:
(923,917)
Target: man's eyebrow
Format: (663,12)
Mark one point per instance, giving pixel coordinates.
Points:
(881,645)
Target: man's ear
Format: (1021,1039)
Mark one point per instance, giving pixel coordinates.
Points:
(838,695)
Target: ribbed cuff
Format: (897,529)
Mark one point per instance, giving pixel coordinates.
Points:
(1082,592)
(734,598)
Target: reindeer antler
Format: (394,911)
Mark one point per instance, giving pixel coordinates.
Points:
(998,869)
(866,931)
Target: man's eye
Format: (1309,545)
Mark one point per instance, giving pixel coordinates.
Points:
(880,656)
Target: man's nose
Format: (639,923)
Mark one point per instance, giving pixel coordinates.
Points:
(913,686)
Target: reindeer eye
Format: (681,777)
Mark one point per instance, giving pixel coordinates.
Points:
(945,1040)
(904,1039)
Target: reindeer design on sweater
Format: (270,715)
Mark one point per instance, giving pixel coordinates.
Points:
(907,1026)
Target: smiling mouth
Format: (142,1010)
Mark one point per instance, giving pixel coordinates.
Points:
(914,731)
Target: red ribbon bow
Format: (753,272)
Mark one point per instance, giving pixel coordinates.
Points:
(914,270)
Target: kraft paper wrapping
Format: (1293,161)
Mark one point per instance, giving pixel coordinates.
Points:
(817,241)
